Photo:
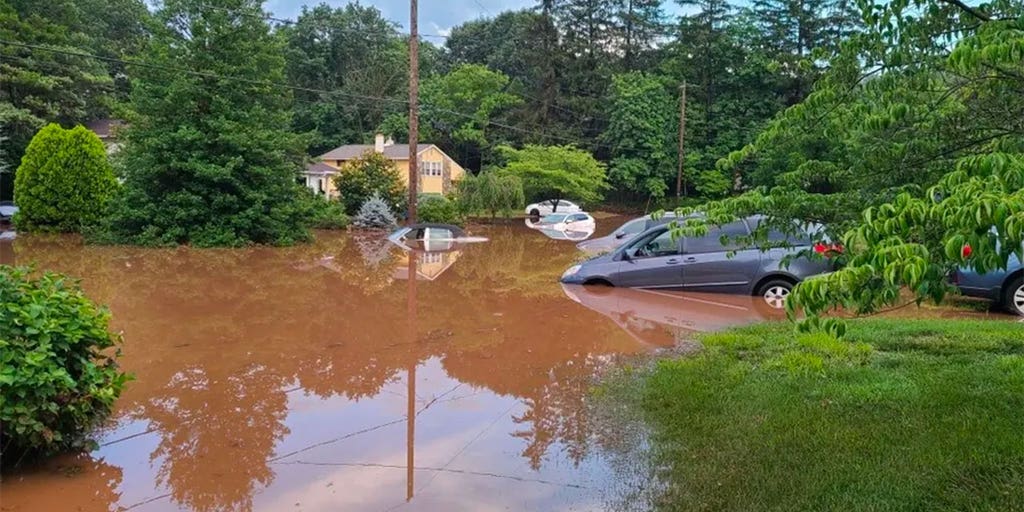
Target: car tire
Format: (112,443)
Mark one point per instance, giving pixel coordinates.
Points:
(535,213)
(1013,296)
(774,293)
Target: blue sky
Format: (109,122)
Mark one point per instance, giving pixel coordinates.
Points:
(436,16)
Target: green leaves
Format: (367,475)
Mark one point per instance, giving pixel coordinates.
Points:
(64,181)
(556,172)
(56,381)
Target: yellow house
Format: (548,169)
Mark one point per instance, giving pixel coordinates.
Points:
(437,170)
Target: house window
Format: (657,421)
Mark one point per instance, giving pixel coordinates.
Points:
(430,168)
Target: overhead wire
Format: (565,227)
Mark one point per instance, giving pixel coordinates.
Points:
(267,83)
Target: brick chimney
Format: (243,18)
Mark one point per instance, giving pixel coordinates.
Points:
(378,143)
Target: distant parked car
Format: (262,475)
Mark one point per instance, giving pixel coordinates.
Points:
(623,234)
(552,206)
(1005,287)
(7,210)
(653,259)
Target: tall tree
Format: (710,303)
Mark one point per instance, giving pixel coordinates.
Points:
(640,24)
(793,29)
(209,159)
(39,83)
(357,55)
(640,132)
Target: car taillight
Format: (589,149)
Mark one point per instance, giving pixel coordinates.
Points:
(828,250)
(966,251)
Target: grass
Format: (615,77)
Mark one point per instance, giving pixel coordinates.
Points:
(903,415)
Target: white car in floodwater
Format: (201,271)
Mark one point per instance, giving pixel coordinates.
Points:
(431,237)
(580,221)
(550,206)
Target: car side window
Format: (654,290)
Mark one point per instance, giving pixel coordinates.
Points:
(634,227)
(655,245)
(712,241)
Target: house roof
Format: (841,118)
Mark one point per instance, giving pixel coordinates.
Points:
(353,151)
(319,168)
(105,128)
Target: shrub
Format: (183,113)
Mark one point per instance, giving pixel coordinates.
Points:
(327,214)
(490,192)
(372,174)
(435,208)
(55,381)
(375,214)
(64,181)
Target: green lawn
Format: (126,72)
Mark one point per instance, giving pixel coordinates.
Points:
(903,415)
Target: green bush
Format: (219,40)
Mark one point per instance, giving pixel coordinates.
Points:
(440,209)
(64,181)
(372,174)
(56,382)
(327,213)
(490,192)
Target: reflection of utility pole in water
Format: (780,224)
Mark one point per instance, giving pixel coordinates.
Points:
(410,418)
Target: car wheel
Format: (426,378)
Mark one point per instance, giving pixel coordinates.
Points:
(774,293)
(535,213)
(1013,296)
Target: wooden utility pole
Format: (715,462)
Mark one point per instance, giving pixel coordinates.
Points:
(680,190)
(414,110)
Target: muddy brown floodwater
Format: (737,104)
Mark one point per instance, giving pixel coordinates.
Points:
(320,377)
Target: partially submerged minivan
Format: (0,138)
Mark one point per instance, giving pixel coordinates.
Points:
(654,259)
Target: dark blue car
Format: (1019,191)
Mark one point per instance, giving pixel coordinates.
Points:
(1004,287)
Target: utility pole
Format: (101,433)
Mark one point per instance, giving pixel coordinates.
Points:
(680,191)
(414,110)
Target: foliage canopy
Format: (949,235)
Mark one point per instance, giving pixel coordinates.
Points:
(57,376)
(64,182)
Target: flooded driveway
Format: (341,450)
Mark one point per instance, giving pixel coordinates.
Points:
(349,374)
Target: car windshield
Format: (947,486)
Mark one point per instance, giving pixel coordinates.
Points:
(553,218)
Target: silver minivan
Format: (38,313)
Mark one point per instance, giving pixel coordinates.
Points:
(653,259)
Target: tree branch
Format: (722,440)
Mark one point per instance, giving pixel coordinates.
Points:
(969,10)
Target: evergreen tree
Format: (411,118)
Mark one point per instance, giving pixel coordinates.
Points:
(793,29)
(209,159)
(64,181)
(39,86)
(640,24)
(356,54)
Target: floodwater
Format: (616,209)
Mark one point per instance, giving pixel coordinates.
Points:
(323,378)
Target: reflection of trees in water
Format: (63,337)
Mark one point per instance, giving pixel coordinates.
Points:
(215,336)
(217,432)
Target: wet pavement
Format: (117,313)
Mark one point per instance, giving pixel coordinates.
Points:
(321,377)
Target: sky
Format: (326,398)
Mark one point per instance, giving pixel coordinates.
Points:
(436,16)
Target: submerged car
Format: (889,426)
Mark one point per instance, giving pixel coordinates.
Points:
(580,221)
(654,259)
(550,206)
(1005,287)
(623,234)
(571,235)
(431,237)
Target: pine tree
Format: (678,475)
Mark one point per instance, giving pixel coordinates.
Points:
(375,214)
(209,159)
(792,29)
(640,23)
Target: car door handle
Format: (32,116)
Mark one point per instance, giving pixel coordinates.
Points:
(690,259)
(672,261)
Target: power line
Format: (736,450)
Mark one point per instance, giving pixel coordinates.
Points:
(285,21)
(265,83)
(479,4)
